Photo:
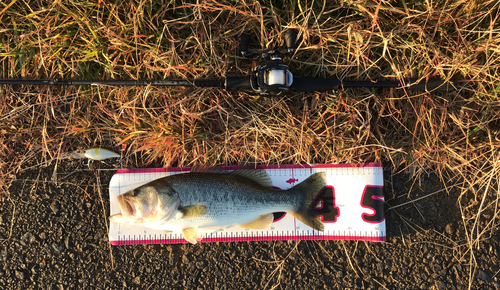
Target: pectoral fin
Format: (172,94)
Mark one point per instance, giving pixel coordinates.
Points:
(193,211)
(192,235)
(261,223)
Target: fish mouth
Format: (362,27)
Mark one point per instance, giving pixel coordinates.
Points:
(126,206)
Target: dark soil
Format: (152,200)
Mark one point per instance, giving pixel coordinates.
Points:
(54,236)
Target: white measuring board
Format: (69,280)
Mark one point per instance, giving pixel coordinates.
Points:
(351,206)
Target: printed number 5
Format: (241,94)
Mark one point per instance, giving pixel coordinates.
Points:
(373,198)
(324,203)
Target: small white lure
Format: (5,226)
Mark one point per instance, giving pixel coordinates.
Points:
(100,154)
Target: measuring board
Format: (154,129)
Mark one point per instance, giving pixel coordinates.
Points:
(351,206)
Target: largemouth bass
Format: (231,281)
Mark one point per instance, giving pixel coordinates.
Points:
(215,200)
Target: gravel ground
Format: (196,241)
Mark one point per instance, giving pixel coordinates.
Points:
(54,236)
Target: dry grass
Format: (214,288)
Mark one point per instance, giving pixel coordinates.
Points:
(455,134)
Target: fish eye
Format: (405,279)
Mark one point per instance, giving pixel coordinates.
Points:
(135,192)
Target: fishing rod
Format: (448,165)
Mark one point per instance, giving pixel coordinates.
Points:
(270,77)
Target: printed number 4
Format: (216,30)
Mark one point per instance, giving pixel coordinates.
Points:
(324,203)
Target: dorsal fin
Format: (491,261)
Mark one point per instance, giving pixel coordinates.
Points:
(211,169)
(258,175)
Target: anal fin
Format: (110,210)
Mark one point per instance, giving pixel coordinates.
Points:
(262,222)
(192,235)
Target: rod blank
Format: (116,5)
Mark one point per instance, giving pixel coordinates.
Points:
(98,82)
(243,83)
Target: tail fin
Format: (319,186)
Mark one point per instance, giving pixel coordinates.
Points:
(309,189)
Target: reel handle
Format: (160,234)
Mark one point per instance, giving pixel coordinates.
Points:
(291,39)
(244,41)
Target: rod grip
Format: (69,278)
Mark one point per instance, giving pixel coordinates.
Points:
(430,85)
(239,83)
(312,84)
(208,83)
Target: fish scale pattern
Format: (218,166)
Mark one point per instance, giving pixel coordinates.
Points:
(229,199)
